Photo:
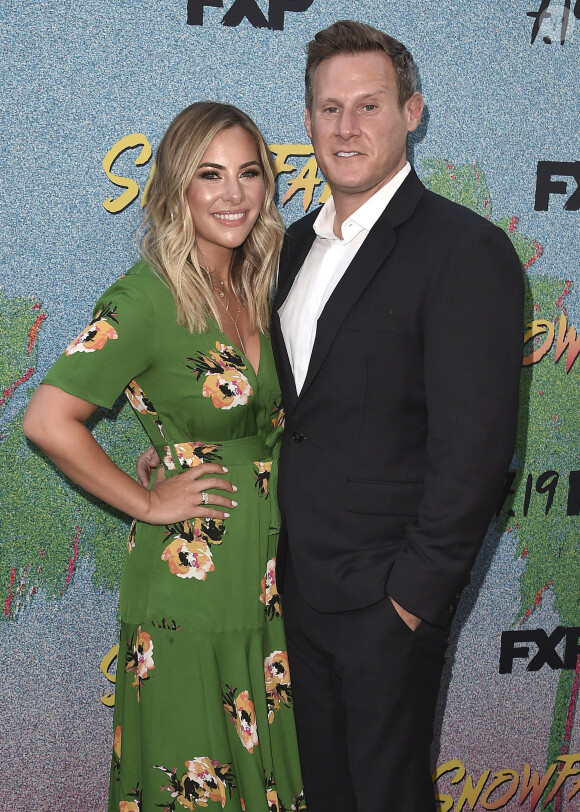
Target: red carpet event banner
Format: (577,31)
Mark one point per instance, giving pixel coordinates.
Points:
(89,88)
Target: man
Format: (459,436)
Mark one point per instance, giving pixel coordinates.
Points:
(397,329)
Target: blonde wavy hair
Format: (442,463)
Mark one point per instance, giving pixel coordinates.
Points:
(167,235)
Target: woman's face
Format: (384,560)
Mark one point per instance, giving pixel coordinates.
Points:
(226,195)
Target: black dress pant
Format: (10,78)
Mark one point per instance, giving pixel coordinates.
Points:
(365,688)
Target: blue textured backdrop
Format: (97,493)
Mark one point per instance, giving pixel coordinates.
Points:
(80,76)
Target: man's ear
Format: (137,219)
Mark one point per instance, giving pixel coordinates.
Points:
(414,107)
(308,122)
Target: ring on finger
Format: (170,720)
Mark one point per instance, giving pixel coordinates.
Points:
(204,498)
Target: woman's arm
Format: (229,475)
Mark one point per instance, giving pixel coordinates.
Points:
(55,421)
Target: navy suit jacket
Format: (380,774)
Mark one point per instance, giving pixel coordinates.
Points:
(396,450)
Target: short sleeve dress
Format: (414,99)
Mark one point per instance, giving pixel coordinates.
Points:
(203,701)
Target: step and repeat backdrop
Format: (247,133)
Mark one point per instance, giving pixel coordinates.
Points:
(89,87)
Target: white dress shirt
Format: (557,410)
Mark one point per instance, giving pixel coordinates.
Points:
(323,269)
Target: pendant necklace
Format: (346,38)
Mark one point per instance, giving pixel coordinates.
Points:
(220,292)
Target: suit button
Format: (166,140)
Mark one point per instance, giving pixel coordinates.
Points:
(297,436)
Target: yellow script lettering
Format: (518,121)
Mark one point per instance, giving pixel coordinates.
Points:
(575,789)
(307,179)
(566,771)
(446,801)
(116,204)
(470,794)
(534,329)
(499,780)
(567,338)
(531,783)
(106,663)
(284,151)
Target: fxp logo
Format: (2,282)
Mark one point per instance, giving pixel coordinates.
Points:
(249,10)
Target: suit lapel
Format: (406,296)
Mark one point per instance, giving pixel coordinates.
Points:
(285,374)
(371,256)
(296,248)
(368,260)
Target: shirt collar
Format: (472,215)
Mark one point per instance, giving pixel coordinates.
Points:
(364,217)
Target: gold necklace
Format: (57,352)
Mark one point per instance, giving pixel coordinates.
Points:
(221,292)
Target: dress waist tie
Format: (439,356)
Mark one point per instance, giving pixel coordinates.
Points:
(256,449)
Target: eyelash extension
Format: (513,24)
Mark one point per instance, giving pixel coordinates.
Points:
(212,174)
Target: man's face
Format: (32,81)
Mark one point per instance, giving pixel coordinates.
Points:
(358,130)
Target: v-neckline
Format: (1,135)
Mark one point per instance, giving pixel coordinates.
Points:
(242,354)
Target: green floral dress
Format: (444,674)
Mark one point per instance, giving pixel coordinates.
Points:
(203,702)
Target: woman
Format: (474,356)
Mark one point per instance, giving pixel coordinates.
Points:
(203,697)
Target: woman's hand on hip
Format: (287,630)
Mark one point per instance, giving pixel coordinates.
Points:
(191,495)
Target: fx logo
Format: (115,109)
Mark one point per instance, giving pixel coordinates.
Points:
(554,21)
(546,185)
(248,9)
(511,649)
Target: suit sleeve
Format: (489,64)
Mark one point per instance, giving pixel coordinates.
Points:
(473,336)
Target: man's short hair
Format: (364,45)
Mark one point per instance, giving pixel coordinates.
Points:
(350,37)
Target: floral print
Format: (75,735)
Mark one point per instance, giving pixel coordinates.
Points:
(116,763)
(191,454)
(141,403)
(212,530)
(131,536)
(243,714)
(277,415)
(262,474)
(278,686)
(189,554)
(117,741)
(272,799)
(165,623)
(99,331)
(139,658)
(274,802)
(299,803)
(224,383)
(227,389)
(205,780)
(135,805)
(138,399)
(199,610)
(269,595)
